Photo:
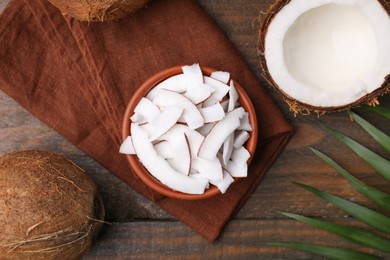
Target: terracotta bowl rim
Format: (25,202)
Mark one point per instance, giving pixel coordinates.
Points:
(136,165)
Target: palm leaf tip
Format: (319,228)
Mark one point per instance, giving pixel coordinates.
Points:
(380,164)
(326,251)
(379,136)
(381,110)
(356,235)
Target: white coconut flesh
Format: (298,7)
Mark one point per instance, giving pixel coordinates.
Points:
(183,136)
(329,53)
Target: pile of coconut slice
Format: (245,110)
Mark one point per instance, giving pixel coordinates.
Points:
(190,130)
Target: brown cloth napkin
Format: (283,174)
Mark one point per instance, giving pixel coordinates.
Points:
(78,77)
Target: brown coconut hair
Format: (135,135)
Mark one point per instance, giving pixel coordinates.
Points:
(50,208)
(98,10)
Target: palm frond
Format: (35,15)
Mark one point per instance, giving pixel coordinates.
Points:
(371,217)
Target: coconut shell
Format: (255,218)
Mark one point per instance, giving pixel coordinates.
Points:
(50,208)
(296,106)
(98,10)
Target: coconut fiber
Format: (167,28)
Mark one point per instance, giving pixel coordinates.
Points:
(78,77)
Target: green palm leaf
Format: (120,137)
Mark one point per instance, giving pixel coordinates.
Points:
(381,110)
(368,216)
(380,164)
(379,197)
(329,252)
(378,135)
(356,235)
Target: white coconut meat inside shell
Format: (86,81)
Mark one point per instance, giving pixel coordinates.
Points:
(329,53)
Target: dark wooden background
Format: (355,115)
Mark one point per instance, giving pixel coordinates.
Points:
(140,229)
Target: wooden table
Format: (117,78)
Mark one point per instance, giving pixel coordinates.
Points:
(140,229)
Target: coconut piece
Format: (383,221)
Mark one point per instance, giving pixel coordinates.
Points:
(147,109)
(147,128)
(237,166)
(137,118)
(160,168)
(164,149)
(210,169)
(227,149)
(191,114)
(199,93)
(219,133)
(176,130)
(237,170)
(345,65)
(233,96)
(220,88)
(98,10)
(228,144)
(166,121)
(240,139)
(193,75)
(222,76)
(212,113)
(181,159)
(177,83)
(198,176)
(223,184)
(195,139)
(245,124)
(206,128)
(240,155)
(50,208)
(127,146)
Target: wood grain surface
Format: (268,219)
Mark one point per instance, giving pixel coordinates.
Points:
(141,230)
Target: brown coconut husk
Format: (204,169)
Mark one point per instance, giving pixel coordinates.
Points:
(98,10)
(50,208)
(296,106)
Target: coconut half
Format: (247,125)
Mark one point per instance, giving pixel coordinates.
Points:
(327,55)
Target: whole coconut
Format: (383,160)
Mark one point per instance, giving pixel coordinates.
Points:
(98,10)
(50,209)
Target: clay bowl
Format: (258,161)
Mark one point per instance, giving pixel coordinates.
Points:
(138,168)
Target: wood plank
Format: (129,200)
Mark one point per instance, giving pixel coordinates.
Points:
(240,240)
